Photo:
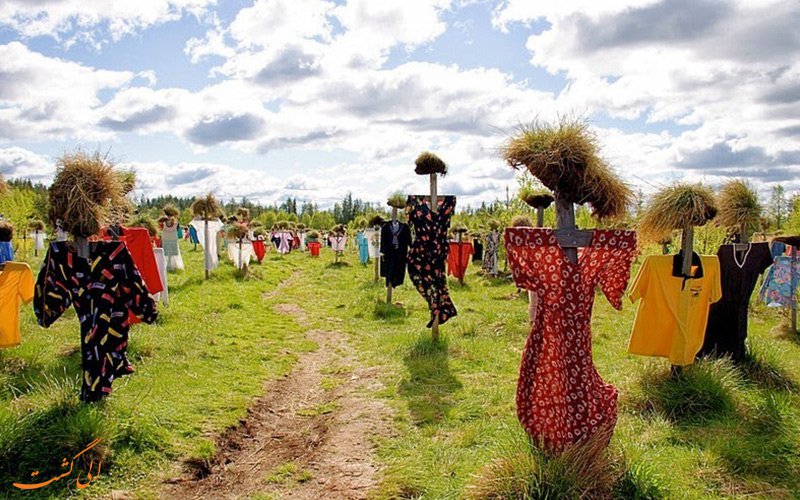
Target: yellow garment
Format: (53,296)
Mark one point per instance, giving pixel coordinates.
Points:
(16,285)
(671,321)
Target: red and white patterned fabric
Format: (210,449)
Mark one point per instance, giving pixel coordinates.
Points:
(561,398)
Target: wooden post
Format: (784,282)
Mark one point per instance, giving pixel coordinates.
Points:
(434,209)
(461,278)
(206,247)
(565,219)
(377,259)
(539,216)
(240,255)
(389,287)
(794,291)
(687,246)
(25,244)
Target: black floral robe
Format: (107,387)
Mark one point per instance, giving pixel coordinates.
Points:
(428,253)
(102,289)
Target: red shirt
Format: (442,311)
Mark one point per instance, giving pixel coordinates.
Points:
(458,258)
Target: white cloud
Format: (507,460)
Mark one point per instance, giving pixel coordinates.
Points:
(93,22)
(19,162)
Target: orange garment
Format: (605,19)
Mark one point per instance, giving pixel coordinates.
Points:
(259,249)
(313,247)
(458,258)
(140,246)
(16,287)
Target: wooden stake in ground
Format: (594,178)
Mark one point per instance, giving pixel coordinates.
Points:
(687,247)
(35,243)
(461,278)
(205,247)
(389,287)
(434,209)
(794,288)
(377,259)
(539,216)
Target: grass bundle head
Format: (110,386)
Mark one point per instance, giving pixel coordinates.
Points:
(677,207)
(243,213)
(282,225)
(738,206)
(237,231)
(313,235)
(565,157)
(6,231)
(207,205)
(36,225)
(301,227)
(170,210)
(127,178)
(147,223)
(397,200)
(163,219)
(256,224)
(83,193)
(536,197)
(494,225)
(429,163)
(521,221)
(259,232)
(339,229)
(375,221)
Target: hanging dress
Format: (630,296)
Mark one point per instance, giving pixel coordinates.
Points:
(6,251)
(395,238)
(259,249)
(428,253)
(313,247)
(38,238)
(210,249)
(458,258)
(102,289)
(776,291)
(161,262)
(490,253)
(193,235)
(169,242)
(363,247)
(561,399)
(477,245)
(16,287)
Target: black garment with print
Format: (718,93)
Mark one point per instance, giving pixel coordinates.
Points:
(726,331)
(103,289)
(428,253)
(393,257)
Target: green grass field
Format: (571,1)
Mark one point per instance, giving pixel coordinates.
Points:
(721,431)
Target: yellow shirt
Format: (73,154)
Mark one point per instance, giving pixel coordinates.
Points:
(16,285)
(671,319)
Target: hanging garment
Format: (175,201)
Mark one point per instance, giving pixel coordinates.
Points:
(458,258)
(193,235)
(284,242)
(38,238)
(61,235)
(490,253)
(561,399)
(477,255)
(777,249)
(338,243)
(6,251)
(363,247)
(776,291)
(302,237)
(179,231)
(102,289)
(16,288)
(673,312)
(313,247)
(727,321)
(395,239)
(214,226)
(373,237)
(169,242)
(161,262)
(259,249)
(240,257)
(140,247)
(428,253)
(295,242)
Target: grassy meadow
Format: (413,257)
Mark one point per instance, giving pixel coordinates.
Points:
(719,431)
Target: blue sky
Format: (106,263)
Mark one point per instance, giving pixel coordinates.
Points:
(313,98)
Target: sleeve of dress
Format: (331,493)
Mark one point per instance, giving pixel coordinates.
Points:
(51,295)
(520,258)
(616,274)
(641,281)
(26,286)
(137,299)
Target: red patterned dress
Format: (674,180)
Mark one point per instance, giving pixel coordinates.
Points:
(561,398)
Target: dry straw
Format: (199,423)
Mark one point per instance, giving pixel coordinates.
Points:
(208,206)
(536,197)
(376,220)
(163,219)
(301,227)
(397,200)
(127,179)
(339,229)
(565,157)
(237,231)
(85,190)
(3,186)
(36,225)
(521,221)
(170,210)
(6,231)
(243,213)
(677,207)
(147,223)
(738,206)
(429,163)
(494,224)
(256,224)
(313,235)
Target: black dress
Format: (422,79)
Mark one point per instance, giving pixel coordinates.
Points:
(428,253)
(103,289)
(395,239)
(477,255)
(727,321)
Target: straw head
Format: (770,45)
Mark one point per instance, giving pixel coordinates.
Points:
(738,206)
(6,231)
(678,206)
(429,163)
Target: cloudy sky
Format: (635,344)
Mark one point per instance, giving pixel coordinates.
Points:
(314,98)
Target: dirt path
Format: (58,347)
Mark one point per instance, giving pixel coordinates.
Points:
(309,436)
